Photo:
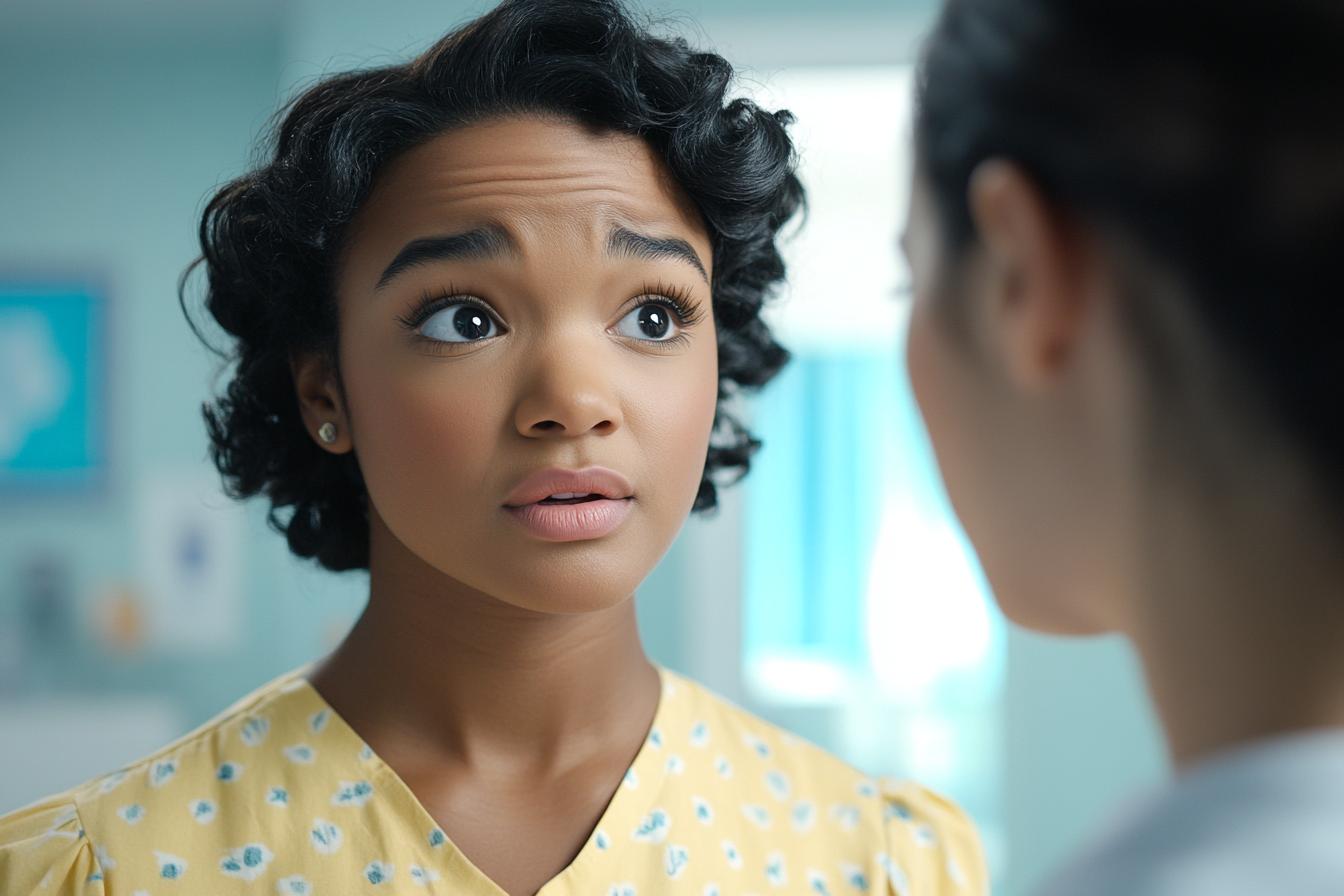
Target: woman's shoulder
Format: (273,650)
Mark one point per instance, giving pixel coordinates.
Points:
(82,833)
(916,840)
(43,848)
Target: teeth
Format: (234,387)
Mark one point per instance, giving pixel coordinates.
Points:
(564,496)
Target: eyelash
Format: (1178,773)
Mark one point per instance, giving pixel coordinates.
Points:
(432,303)
(676,299)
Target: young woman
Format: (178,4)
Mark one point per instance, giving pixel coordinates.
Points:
(486,306)
(1126,239)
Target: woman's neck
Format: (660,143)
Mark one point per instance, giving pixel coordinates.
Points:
(437,671)
(1241,627)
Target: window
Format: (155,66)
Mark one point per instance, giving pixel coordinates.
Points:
(868,626)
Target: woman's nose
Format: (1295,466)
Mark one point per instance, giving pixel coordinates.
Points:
(570,395)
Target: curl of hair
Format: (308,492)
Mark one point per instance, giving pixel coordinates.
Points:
(271,239)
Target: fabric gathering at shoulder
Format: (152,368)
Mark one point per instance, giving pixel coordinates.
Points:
(44,850)
(931,844)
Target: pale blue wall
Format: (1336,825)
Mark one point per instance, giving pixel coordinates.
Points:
(106,155)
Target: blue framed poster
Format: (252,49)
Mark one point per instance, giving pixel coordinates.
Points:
(53,386)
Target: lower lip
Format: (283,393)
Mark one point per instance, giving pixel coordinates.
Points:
(571,522)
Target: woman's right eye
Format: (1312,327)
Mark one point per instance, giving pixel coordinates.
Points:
(460,323)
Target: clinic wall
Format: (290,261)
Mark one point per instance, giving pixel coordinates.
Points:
(107,154)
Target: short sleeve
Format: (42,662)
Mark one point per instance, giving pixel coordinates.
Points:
(43,852)
(933,848)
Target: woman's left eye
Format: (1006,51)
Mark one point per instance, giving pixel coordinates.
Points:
(653,322)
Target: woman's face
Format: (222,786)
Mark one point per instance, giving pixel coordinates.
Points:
(528,359)
(1025,405)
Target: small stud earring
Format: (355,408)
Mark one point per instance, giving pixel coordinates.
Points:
(327,432)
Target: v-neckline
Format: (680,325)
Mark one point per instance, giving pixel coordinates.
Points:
(639,783)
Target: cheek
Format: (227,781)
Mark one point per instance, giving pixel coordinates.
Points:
(670,409)
(422,428)
(945,393)
(928,371)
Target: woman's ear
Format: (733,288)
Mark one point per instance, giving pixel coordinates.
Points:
(1034,262)
(321,402)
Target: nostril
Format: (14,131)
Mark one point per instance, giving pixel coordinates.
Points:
(547,425)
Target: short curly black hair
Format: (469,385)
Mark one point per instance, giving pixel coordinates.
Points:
(272,238)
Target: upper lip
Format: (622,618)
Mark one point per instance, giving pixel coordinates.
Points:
(558,481)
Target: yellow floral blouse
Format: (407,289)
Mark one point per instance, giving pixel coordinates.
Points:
(278,794)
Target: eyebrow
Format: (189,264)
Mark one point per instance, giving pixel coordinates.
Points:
(637,245)
(480,244)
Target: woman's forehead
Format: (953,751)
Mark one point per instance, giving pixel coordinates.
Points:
(531,179)
(525,164)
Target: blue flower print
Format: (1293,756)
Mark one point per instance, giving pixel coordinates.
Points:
(924,836)
(294,885)
(278,797)
(656,739)
(631,779)
(846,816)
(300,754)
(621,890)
(803,815)
(854,876)
(246,862)
(254,731)
(898,810)
(699,735)
(730,852)
(365,753)
(675,861)
(866,789)
(326,836)
(202,810)
(92,878)
(900,884)
(723,767)
(352,793)
(111,782)
(423,877)
(437,838)
(775,872)
(230,771)
(317,722)
(132,814)
(778,784)
(653,829)
(817,881)
(757,815)
(161,772)
(711,889)
(675,765)
(379,872)
(602,841)
(171,867)
(756,745)
(704,812)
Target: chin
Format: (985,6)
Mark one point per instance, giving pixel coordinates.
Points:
(1047,613)
(560,579)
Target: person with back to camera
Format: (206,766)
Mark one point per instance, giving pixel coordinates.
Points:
(486,306)
(1126,240)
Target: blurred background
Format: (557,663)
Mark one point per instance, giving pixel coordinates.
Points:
(833,592)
